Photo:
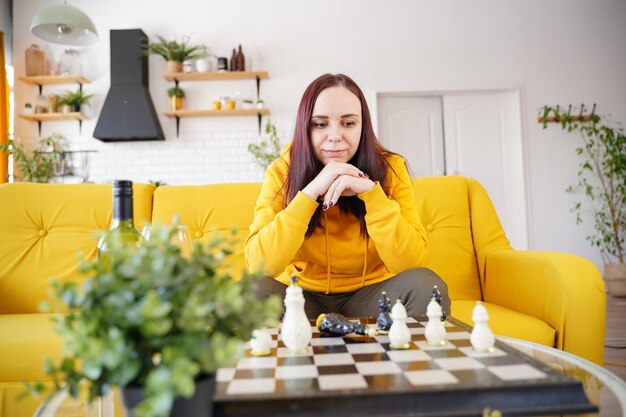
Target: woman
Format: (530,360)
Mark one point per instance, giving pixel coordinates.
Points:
(337,210)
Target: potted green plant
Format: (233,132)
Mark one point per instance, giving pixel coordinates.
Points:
(268,148)
(176,95)
(39,165)
(602,179)
(74,100)
(175,52)
(156,323)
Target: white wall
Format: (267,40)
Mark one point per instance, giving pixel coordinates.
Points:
(557,52)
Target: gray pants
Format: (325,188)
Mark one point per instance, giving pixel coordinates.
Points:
(413,287)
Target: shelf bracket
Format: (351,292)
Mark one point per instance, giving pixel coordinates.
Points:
(259,117)
(40,88)
(177,122)
(258,88)
(80,127)
(80,87)
(39,127)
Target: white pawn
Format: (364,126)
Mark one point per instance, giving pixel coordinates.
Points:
(296,329)
(261,342)
(399,334)
(435,332)
(482,337)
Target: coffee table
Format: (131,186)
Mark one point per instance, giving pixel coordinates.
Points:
(357,375)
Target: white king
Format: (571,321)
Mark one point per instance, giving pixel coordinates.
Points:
(296,330)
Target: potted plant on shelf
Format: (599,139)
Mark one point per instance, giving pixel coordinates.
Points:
(268,148)
(602,178)
(157,323)
(43,163)
(175,52)
(74,100)
(176,95)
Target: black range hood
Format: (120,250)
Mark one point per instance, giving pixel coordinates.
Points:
(128,113)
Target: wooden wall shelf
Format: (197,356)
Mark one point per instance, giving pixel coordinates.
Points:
(217,113)
(216,76)
(54,117)
(54,79)
(48,117)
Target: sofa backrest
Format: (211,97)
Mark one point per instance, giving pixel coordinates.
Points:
(206,208)
(443,205)
(43,227)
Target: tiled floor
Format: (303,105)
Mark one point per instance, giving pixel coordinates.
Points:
(615,343)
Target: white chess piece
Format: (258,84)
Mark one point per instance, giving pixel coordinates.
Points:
(435,332)
(261,342)
(296,329)
(482,337)
(399,334)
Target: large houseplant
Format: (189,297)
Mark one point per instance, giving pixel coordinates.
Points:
(175,52)
(41,164)
(157,320)
(602,179)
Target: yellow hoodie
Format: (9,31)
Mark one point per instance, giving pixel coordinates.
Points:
(336,258)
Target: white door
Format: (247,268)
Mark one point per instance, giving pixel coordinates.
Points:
(412,126)
(481,139)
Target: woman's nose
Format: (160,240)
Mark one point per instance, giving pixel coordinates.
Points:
(334,134)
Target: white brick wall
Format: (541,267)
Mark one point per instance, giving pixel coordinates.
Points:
(202,157)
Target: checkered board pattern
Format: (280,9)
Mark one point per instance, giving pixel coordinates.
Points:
(359,369)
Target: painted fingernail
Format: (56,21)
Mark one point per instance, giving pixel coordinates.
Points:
(366,176)
(330,204)
(324,207)
(361,174)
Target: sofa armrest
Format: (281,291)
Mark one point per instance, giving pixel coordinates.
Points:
(565,291)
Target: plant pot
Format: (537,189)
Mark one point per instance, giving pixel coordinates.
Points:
(199,405)
(176,103)
(615,278)
(66,108)
(174,66)
(75,108)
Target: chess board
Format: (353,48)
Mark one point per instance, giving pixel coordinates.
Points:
(357,375)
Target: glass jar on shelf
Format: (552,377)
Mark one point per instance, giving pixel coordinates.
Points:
(70,62)
(41,104)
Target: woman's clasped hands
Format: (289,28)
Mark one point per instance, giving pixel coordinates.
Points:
(335,180)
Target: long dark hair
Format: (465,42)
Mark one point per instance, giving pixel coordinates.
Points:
(304,166)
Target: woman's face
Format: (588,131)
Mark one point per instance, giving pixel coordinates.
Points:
(335,125)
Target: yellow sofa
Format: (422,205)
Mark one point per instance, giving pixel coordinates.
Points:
(550,298)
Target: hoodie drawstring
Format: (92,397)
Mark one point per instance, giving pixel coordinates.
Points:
(327,255)
(364,261)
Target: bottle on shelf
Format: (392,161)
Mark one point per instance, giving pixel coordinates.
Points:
(241,61)
(123,226)
(233,61)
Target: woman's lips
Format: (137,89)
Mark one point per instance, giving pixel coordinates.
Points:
(333,152)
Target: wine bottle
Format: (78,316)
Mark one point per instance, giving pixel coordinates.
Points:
(233,61)
(241,61)
(123,225)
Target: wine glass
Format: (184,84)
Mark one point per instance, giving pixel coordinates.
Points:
(182,240)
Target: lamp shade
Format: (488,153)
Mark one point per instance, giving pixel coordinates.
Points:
(64,24)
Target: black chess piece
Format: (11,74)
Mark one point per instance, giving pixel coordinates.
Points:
(437,296)
(384,318)
(336,324)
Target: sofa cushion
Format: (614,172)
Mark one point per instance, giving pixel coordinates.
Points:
(43,227)
(33,338)
(505,322)
(443,206)
(207,208)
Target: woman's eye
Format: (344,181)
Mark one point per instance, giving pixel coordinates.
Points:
(319,125)
(349,123)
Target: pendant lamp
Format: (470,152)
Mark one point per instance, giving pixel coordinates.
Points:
(64,24)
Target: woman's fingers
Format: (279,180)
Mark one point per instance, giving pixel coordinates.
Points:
(345,185)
